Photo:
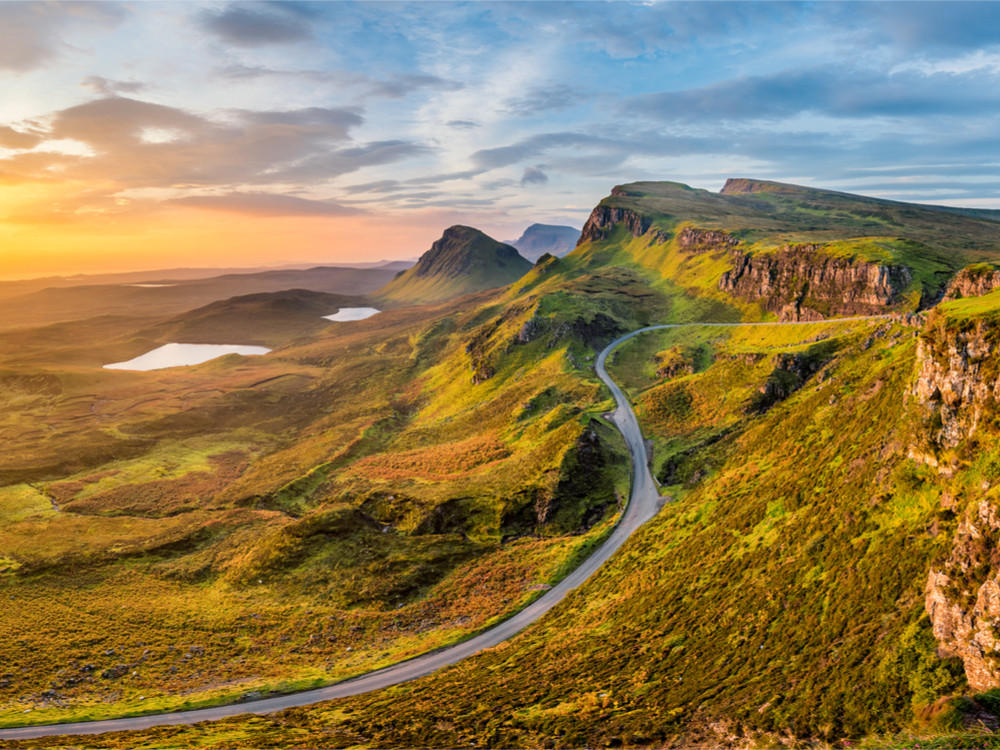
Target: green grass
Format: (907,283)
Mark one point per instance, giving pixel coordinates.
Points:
(781,595)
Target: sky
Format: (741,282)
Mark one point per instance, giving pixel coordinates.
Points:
(140,135)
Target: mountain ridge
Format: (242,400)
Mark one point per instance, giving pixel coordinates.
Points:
(462,261)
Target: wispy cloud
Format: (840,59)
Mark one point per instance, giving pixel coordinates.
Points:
(32,33)
(266,204)
(255,24)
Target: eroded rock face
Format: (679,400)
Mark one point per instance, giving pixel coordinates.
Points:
(963,598)
(955,379)
(705,240)
(803,283)
(603,219)
(974,281)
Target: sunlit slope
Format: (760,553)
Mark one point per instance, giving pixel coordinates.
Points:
(781,596)
(462,261)
(758,247)
(402,479)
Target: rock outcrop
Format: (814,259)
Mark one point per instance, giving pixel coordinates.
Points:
(973,281)
(803,283)
(603,219)
(692,239)
(963,598)
(957,378)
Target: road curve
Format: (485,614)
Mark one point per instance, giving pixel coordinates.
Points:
(644,502)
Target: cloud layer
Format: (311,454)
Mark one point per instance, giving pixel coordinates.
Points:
(507,113)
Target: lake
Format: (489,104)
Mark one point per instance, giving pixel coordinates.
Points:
(182,355)
(352,313)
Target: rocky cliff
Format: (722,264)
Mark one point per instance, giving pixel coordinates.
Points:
(963,597)
(973,281)
(957,377)
(802,282)
(603,219)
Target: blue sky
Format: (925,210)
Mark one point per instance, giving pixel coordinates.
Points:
(413,116)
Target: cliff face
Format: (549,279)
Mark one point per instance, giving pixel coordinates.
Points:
(803,283)
(958,383)
(973,281)
(695,240)
(956,378)
(603,219)
(963,598)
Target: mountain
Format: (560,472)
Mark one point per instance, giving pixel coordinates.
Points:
(462,261)
(539,239)
(823,570)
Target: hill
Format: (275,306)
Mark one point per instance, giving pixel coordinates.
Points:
(169,296)
(266,319)
(762,249)
(539,239)
(825,572)
(462,261)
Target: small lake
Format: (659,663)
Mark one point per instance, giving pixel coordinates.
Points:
(352,313)
(182,355)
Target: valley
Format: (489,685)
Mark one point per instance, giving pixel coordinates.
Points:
(813,375)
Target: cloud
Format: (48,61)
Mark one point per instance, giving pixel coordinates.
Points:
(920,27)
(830,90)
(542,100)
(31,33)
(108,87)
(18,139)
(530,148)
(266,204)
(433,179)
(395,86)
(142,144)
(326,164)
(379,186)
(533,176)
(257,24)
(400,85)
(462,124)
(144,155)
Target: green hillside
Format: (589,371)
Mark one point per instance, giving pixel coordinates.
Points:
(684,240)
(462,261)
(374,489)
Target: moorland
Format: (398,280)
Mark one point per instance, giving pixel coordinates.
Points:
(823,571)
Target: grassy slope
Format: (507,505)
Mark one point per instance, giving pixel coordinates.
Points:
(933,242)
(347,501)
(783,592)
(781,595)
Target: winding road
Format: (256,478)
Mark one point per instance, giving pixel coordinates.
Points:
(644,502)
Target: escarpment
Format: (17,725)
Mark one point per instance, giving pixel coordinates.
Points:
(603,219)
(802,282)
(963,597)
(958,379)
(973,281)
